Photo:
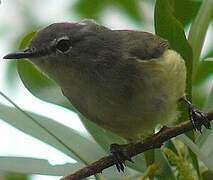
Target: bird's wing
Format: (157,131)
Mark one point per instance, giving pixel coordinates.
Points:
(143,45)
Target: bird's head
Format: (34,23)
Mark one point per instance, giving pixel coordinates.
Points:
(64,43)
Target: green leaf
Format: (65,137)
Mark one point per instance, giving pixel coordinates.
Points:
(203,147)
(149,157)
(89,9)
(202,85)
(204,71)
(183,168)
(93,8)
(84,150)
(16,176)
(40,85)
(201,95)
(74,140)
(36,166)
(26,39)
(209,103)
(150,171)
(11,76)
(186,10)
(130,8)
(198,31)
(154,155)
(209,55)
(165,172)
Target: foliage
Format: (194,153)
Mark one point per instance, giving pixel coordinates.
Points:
(170,18)
(183,169)
(93,8)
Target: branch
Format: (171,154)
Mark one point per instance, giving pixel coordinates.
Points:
(154,141)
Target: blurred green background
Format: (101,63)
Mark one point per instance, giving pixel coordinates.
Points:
(28,152)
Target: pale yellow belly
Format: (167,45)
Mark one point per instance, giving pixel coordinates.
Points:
(156,102)
(165,84)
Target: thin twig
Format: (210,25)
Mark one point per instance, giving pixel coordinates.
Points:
(154,141)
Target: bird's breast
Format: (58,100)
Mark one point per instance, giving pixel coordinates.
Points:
(131,108)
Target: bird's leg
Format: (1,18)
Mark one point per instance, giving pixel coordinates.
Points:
(197,118)
(120,155)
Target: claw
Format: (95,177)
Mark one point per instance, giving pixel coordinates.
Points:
(197,118)
(120,155)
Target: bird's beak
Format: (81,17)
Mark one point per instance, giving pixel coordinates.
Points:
(26,53)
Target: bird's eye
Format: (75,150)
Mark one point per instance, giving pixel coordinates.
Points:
(63,45)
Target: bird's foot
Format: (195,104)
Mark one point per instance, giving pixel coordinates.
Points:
(120,155)
(197,117)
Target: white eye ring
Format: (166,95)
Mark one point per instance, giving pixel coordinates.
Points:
(63,45)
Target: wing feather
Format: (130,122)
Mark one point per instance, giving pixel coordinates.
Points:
(143,45)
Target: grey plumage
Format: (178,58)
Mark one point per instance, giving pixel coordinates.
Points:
(124,81)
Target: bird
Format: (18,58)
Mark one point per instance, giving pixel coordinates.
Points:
(125,81)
